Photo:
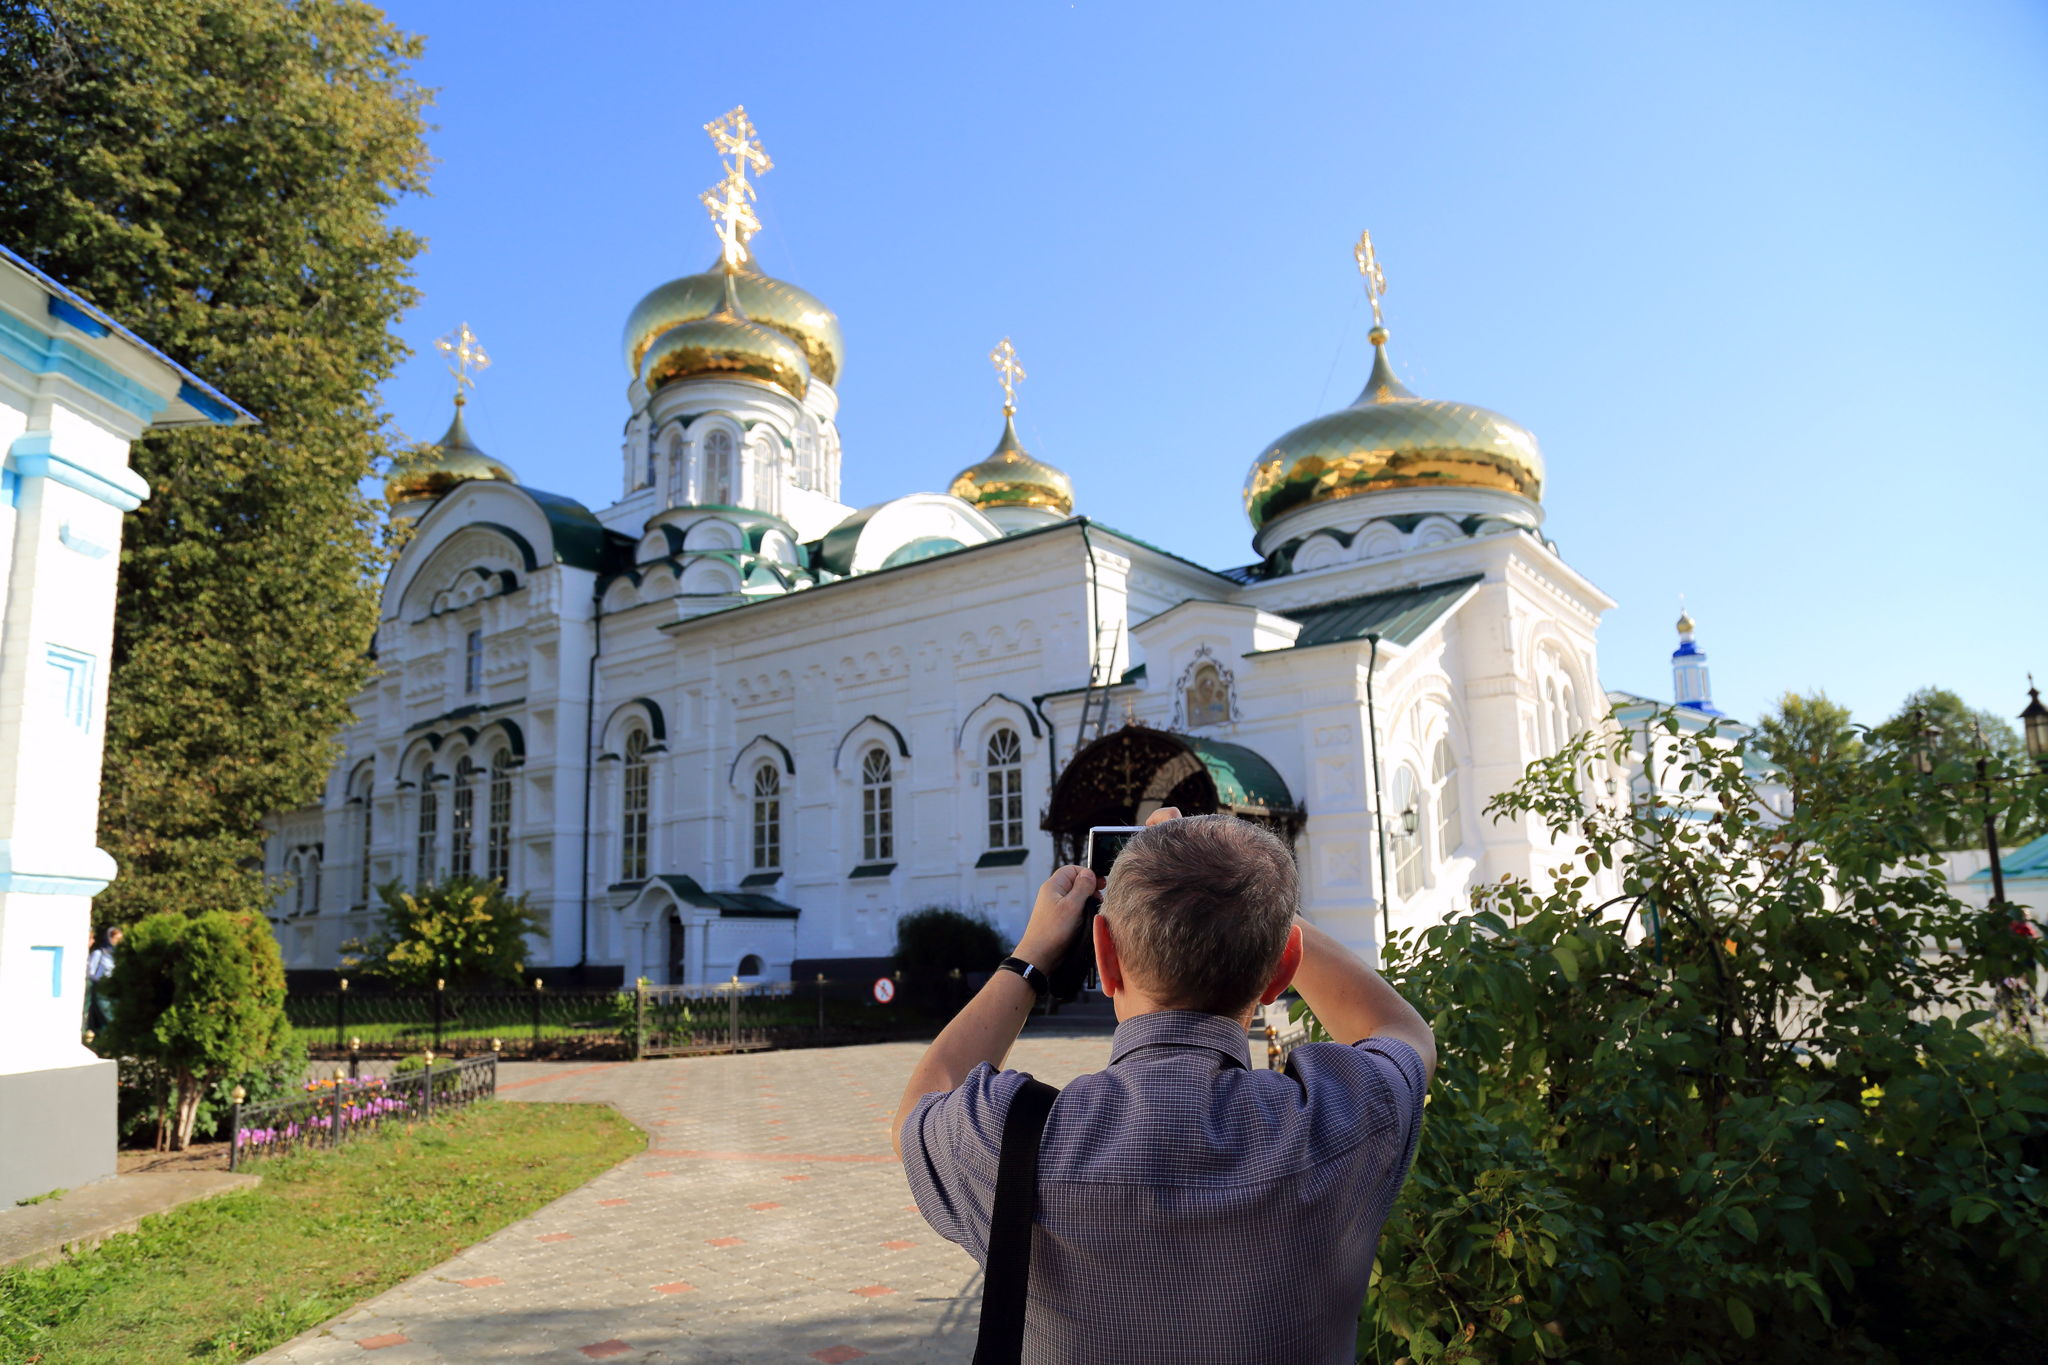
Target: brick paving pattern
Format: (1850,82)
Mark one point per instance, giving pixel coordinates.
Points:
(766,1222)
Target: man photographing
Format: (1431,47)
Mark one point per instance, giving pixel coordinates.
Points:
(1188,1208)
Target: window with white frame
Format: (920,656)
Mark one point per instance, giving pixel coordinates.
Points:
(633,810)
(462,828)
(877,807)
(1403,804)
(426,830)
(498,821)
(313,876)
(473,661)
(1443,776)
(718,470)
(767,818)
(1005,790)
(299,886)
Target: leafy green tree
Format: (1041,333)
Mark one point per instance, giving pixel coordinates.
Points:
(217,175)
(933,943)
(1749,1109)
(465,931)
(1808,737)
(196,999)
(1936,726)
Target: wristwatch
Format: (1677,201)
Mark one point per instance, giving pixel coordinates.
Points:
(1037,979)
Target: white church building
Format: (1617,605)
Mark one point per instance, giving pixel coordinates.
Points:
(725,724)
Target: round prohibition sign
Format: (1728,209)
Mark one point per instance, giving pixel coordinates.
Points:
(885,990)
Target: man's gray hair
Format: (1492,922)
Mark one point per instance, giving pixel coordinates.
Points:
(1200,908)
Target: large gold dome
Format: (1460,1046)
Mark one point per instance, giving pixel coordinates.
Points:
(433,470)
(766,300)
(1389,438)
(726,345)
(1010,477)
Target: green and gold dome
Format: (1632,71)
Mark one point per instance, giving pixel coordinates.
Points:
(765,300)
(430,471)
(1388,439)
(1010,477)
(726,343)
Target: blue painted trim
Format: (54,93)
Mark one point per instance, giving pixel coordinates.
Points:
(39,884)
(32,458)
(39,353)
(208,404)
(10,488)
(58,290)
(56,952)
(65,311)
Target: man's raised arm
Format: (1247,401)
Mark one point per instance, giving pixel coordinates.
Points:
(1353,1001)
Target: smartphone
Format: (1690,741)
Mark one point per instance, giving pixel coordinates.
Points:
(1076,971)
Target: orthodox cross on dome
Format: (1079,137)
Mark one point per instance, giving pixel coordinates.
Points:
(731,201)
(465,353)
(733,218)
(1008,373)
(1375,278)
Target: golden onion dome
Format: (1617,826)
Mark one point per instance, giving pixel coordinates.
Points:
(1388,439)
(1009,477)
(726,344)
(430,471)
(766,300)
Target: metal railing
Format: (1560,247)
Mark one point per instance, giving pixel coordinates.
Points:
(341,1110)
(628,1021)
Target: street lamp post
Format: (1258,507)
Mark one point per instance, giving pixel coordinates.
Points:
(2035,721)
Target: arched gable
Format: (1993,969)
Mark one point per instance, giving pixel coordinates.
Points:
(871,727)
(1000,702)
(760,746)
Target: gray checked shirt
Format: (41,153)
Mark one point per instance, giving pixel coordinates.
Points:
(1190,1209)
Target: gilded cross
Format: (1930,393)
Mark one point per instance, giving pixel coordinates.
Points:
(733,217)
(739,142)
(1008,373)
(1375,278)
(465,353)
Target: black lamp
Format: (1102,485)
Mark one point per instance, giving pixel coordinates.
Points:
(2035,719)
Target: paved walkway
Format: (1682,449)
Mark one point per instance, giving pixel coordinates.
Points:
(767,1222)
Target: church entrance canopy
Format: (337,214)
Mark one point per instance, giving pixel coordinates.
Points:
(1126,775)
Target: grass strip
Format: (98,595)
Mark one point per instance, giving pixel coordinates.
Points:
(226,1278)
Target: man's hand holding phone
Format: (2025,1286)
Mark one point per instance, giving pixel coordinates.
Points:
(1056,916)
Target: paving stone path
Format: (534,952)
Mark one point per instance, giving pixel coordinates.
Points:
(766,1222)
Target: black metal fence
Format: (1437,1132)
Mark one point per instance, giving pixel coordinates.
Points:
(631,1021)
(330,1113)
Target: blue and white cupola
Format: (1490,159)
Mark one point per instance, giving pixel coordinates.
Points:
(1689,671)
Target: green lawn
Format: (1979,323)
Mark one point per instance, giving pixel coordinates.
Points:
(226,1278)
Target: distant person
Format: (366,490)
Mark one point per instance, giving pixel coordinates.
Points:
(99,965)
(1188,1208)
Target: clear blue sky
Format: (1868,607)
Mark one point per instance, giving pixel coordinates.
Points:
(1769,282)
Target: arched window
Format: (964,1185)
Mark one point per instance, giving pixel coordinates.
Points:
(498,821)
(313,877)
(297,871)
(427,832)
(767,818)
(877,808)
(462,831)
(718,488)
(633,810)
(1407,847)
(678,474)
(368,833)
(1005,790)
(1208,700)
(472,661)
(1443,776)
(750,965)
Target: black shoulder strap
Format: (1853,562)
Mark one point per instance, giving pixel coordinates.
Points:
(1006,1280)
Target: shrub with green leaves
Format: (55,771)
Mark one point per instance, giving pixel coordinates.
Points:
(197,1000)
(932,942)
(465,931)
(1752,1109)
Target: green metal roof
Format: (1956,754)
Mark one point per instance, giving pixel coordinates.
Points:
(1399,617)
(1243,779)
(729,904)
(2027,863)
(581,541)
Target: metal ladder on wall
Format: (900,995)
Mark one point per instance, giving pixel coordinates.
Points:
(1102,675)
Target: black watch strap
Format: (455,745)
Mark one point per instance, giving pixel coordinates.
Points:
(1037,979)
